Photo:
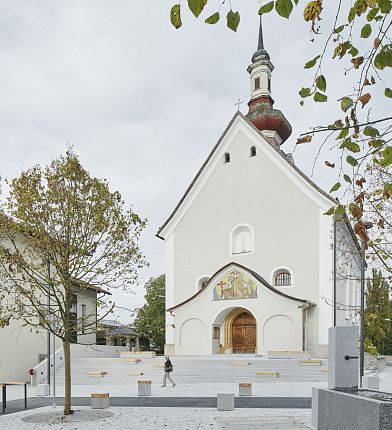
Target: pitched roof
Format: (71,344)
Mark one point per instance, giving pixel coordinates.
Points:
(81,283)
(255,275)
(214,149)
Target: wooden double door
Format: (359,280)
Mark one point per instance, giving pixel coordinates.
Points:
(244,334)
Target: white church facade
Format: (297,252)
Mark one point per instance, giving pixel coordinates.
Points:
(249,252)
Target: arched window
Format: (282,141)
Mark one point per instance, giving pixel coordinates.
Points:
(252,151)
(202,282)
(242,240)
(227,157)
(282,278)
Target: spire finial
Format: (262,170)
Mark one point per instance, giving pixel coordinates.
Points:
(260,45)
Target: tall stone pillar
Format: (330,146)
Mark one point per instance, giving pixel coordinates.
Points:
(343,358)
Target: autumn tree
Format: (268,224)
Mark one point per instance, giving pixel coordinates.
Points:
(63,229)
(150,319)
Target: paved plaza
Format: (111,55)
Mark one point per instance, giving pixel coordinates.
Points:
(174,419)
(198,379)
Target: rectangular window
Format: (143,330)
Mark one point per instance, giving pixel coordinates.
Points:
(257,83)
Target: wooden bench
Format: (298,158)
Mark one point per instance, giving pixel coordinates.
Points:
(309,362)
(324,370)
(304,355)
(240,363)
(135,373)
(131,360)
(159,366)
(4,385)
(97,374)
(269,373)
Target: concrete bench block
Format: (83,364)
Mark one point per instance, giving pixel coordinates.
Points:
(144,388)
(240,363)
(42,390)
(134,373)
(158,366)
(309,362)
(299,355)
(138,354)
(99,400)
(245,388)
(324,370)
(225,402)
(268,373)
(371,382)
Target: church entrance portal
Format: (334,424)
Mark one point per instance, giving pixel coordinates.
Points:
(244,334)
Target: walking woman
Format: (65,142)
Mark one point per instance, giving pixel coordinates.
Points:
(168,370)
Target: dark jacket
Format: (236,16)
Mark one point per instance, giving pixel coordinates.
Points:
(168,365)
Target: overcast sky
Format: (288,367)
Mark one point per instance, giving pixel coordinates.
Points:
(141,103)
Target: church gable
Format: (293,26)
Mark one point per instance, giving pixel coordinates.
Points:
(256,145)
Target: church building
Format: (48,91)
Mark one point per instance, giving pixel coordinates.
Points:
(253,264)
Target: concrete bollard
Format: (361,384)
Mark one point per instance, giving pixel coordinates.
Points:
(144,388)
(42,390)
(99,400)
(371,382)
(245,389)
(225,402)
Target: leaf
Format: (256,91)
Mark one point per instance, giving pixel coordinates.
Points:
(266,8)
(350,145)
(351,14)
(353,51)
(347,179)
(388,93)
(387,157)
(335,187)
(364,99)
(196,6)
(312,10)
(346,103)
(366,31)
(339,29)
(304,139)
(377,42)
(213,19)
(385,6)
(357,62)
(328,164)
(321,83)
(343,133)
(376,143)
(340,210)
(175,16)
(371,131)
(311,63)
(304,92)
(351,160)
(318,97)
(284,7)
(330,211)
(233,20)
(372,14)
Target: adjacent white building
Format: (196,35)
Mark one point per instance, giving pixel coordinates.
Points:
(250,255)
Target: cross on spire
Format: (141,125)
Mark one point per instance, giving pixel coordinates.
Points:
(238,104)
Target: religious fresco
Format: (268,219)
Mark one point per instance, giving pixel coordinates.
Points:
(235,285)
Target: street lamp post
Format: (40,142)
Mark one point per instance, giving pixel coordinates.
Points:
(368,225)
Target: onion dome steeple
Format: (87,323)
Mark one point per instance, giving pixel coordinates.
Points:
(261,112)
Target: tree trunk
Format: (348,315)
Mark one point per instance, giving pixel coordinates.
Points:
(67,378)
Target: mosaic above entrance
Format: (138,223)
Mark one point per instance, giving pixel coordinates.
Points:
(235,285)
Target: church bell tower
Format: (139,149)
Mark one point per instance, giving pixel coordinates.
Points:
(261,114)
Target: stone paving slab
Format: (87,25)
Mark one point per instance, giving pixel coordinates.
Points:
(265,423)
